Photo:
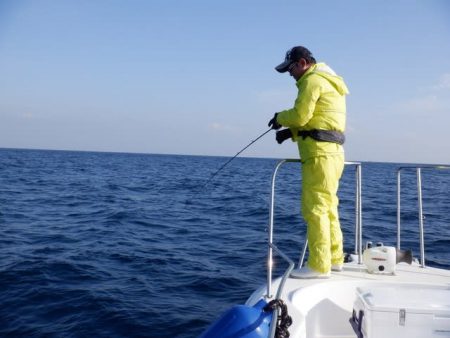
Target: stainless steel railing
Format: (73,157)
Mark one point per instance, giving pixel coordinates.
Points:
(418,170)
(358,225)
(272,247)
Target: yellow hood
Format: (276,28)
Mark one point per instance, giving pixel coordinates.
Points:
(326,72)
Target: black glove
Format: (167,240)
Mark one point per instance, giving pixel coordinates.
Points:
(273,123)
(283,135)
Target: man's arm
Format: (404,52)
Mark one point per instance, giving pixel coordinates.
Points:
(305,104)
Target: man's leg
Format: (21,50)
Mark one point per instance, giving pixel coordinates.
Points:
(337,250)
(320,179)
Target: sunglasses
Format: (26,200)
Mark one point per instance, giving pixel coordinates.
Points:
(292,66)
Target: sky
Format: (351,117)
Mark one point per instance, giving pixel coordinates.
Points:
(197,77)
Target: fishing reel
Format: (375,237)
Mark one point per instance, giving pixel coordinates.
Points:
(382,259)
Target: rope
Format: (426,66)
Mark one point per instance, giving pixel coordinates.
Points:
(283,320)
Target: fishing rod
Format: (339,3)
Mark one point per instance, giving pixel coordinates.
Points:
(232,158)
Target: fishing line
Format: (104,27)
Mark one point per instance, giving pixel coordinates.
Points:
(189,201)
(232,158)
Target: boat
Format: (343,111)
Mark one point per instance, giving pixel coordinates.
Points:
(380,292)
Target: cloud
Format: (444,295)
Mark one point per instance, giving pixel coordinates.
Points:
(276,99)
(422,105)
(350,128)
(28,116)
(435,99)
(272,95)
(444,83)
(216,126)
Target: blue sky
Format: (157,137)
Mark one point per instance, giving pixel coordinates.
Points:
(197,77)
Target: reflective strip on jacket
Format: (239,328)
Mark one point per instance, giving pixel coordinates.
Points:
(320,104)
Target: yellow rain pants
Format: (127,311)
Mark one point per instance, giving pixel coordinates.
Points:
(320,180)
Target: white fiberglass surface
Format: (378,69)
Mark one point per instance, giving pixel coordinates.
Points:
(419,297)
(326,309)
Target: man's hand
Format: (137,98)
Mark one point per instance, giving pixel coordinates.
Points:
(273,123)
(283,135)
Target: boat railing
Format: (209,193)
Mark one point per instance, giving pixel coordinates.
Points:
(418,170)
(272,247)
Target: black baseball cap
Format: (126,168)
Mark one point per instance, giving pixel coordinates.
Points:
(293,55)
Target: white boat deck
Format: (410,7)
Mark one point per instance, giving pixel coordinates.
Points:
(322,307)
(405,273)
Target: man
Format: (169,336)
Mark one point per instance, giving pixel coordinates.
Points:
(316,123)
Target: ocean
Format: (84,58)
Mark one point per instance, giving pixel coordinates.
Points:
(135,245)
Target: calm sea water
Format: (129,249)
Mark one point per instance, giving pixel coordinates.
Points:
(131,245)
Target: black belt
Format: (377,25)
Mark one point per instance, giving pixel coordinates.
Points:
(323,135)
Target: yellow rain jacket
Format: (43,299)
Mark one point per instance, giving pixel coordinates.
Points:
(320,105)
